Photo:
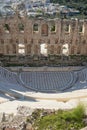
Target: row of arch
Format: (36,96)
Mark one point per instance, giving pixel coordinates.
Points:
(43,49)
(44,28)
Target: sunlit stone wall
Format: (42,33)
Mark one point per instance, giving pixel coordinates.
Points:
(24,36)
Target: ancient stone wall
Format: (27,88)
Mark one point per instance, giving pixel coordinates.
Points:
(25,36)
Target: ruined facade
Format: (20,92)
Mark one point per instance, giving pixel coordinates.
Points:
(36,37)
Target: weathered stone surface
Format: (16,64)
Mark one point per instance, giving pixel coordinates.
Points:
(29,127)
(84,128)
(54,33)
(2,117)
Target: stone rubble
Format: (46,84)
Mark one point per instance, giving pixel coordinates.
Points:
(16,122)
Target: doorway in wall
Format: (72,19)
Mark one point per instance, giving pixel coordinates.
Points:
(21,49)
(65,49)
(43,49)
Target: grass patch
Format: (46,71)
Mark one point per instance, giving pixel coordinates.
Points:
(62,120)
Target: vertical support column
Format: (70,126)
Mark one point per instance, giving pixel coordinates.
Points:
(17,49)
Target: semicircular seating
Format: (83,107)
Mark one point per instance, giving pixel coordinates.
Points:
(42,81)
(8,76)
(48,81)
(9,81)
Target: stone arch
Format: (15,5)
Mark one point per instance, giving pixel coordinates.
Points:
(81,28)
(35,27)
(21,27)
(21,48)
(67,27)
(44,29)
(7,28)
(43,49)
(65,49)
(52,27)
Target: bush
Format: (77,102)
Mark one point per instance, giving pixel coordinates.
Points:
(76,114)
(62,120)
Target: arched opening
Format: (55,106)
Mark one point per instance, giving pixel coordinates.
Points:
(65,49)
(6,28)
(81,28)
(21,27)
(35,27)
(53,28)
(21,49)
(44,30)
(67,28)
(43,49)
